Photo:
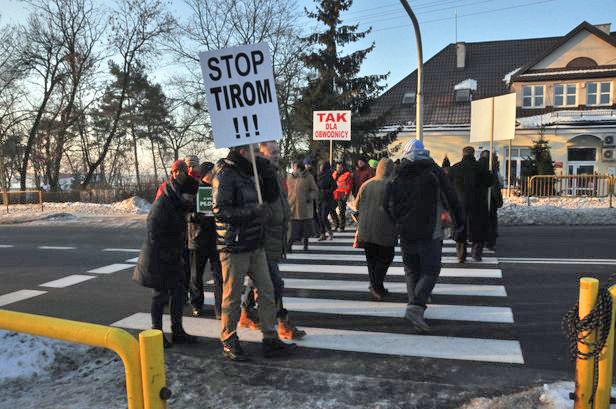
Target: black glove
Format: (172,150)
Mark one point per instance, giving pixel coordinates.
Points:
(262,213)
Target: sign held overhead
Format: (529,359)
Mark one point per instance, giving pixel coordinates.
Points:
(241,95)
(331,125)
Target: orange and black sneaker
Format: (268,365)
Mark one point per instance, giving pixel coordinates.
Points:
(287,331)
(248,320)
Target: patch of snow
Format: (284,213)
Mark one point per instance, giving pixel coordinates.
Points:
(467,84)
(557,211)
(507,78)
(134,204)
(537,74)
(567,117)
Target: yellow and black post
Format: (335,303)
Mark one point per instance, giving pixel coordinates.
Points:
(584,368)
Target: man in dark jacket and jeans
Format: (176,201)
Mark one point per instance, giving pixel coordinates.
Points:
(161,261)
(416,200)
(240,223)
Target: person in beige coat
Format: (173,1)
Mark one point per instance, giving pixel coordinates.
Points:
(302,191)
(376,231)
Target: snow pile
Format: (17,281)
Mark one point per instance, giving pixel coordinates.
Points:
(467,84)
(134,204)
(557,211)
(567,117)
(25,356)
(507,78)
(553,396)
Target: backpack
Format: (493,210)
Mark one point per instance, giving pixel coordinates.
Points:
(415,205)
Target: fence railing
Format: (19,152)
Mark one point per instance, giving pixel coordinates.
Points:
(601,186)
(111,195)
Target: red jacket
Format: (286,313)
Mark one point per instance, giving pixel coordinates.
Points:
(343,182)
(360,176)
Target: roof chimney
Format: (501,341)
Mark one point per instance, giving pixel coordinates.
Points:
(604,27)
(460,55)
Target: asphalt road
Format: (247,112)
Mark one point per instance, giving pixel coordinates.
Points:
(538,295)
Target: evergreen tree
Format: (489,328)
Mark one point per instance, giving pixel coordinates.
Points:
(338,86)
(540,160)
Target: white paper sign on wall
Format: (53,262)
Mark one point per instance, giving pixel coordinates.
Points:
(241,95)
(331,125)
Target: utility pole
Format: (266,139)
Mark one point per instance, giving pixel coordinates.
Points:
(419,103)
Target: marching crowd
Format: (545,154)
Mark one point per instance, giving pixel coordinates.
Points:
(253,226)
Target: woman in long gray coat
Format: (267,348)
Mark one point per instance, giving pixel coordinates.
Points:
(302,191)
(376,231)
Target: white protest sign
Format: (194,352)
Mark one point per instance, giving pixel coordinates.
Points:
(493,116)
(241,95)
(331,125)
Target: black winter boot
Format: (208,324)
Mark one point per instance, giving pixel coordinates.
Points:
(232,350)
(274,347)
(179,336)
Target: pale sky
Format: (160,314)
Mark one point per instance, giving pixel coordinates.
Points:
(478,20)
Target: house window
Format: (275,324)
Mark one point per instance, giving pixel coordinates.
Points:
(581,154)
(598,93)
(462,95)
(565,95)
(532,96)
(408,98)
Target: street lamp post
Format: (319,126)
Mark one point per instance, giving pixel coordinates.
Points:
(419,103)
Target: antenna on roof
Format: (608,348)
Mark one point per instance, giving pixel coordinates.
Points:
(456,18)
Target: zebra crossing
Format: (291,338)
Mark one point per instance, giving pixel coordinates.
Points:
(326,294)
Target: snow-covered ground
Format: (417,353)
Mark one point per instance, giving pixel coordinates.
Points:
(39,372)
(132,212)
(557,211)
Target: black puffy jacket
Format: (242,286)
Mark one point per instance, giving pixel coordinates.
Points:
(327,186)
(161,264)
(234,196)
(412,199)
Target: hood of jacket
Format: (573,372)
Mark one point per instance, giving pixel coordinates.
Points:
(385,169)
(240,162)
(415,167)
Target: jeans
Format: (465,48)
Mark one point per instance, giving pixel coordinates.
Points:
(198,261)
(422,266)
(379,259)
(235,266)
(278,283)
(162,297)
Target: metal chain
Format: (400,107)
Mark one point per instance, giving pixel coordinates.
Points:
(599,319)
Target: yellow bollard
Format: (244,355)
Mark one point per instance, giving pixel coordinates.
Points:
(155,392)
(604,387)
(589,288)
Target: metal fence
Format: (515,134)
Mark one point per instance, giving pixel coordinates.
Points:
(601,186)
(104,195)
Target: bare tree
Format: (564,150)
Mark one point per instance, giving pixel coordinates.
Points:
(215,24)
(136,25)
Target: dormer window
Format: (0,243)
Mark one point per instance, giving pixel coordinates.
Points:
(463,92)
(408,98)
(533,96)
(463,95)
(565,95)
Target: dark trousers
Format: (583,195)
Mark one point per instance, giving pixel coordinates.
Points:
(477,249)
(325,208)
(198,261)
(278,283)
(175,298)
(379,259)
(340,217)
(422,266)
(461,250)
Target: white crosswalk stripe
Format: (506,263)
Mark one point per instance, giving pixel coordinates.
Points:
(330,248)
(330,282)
(469,349)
